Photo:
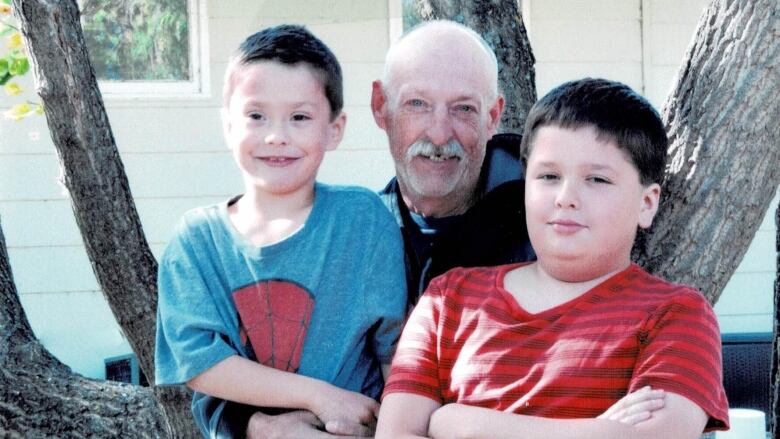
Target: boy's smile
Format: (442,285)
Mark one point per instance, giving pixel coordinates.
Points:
(584,202)
(277,161)
(278,124)
(566,227)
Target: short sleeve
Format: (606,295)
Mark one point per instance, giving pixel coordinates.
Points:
(191,334)
(416,364)
(385,275)
(680,352)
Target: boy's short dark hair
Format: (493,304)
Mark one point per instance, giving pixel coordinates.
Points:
(618,114)
(291,44)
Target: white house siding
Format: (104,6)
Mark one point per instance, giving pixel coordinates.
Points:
(176,159)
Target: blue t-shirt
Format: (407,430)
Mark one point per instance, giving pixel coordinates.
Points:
(327,302)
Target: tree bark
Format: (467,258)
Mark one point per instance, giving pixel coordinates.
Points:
(94,176)
(41,397)
(722,167)
(774,414)
(722,120)
(501,25)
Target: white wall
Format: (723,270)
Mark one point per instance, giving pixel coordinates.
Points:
(175,157)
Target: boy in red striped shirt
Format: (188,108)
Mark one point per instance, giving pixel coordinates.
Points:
(548,349)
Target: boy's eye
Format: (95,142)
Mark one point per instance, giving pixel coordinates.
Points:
(255,116)
(598,179)
(547,177)
(300,117)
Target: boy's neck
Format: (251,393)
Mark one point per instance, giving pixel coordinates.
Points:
(536,289)
(266,219)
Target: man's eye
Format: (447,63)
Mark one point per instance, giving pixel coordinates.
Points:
(466,109)
(416,103)
(300,117)
(547,177)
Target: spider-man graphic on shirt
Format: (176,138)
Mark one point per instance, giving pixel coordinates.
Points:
(274,317)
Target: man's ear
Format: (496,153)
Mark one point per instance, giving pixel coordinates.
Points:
(224,114)
(336,131)
(651,196)
(494,114)
(379,104)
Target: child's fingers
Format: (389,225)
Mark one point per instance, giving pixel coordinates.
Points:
(640,395)
(635,418)
(636,412)
(644,399)
(346,428)
(374,408)
(649,406)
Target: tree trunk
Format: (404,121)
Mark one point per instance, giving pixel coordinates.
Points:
(94,176)
(35,386)
(722,121)
(501,25)
(722,168)
(774,414)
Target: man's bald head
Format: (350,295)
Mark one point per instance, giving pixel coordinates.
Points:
(446,44)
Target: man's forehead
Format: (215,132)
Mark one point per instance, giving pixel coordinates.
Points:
(449,90)
(435,48)
(444,56)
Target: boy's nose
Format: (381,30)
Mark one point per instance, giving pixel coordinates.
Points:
(568,196)
(440,129)
(276,136)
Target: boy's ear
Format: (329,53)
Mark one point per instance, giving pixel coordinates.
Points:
(494,114)
(336,131)
(651,195)
(379,104)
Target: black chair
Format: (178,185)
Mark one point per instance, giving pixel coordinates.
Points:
(747,364)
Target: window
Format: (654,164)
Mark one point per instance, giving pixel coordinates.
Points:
(146,47)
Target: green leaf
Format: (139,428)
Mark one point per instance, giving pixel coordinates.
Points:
(8,2)
(3,66)
(19,67)
(5,78)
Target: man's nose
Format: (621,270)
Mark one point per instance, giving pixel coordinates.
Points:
(568,196)
(440,129)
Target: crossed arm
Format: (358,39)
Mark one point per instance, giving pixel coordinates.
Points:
(447,421)
(245,381)
(315,420)
(405,416)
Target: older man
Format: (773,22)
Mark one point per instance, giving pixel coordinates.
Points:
(457,196)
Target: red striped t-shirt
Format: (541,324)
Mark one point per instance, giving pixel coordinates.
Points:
(469,341)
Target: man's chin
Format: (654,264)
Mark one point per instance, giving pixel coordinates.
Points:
(431,187)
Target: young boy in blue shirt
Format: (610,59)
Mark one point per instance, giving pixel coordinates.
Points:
(291,295)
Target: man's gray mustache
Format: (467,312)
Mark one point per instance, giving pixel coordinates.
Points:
(453,148)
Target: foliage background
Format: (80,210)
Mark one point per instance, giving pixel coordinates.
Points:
(137,40)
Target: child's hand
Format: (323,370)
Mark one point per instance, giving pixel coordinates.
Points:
(337,407)
(635,407)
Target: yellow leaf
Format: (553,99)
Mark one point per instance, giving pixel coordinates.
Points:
(14,41)
(12,89)
(18,111)
(5,9)
(39,110)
